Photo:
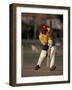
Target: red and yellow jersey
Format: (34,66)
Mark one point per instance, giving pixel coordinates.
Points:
(44,37)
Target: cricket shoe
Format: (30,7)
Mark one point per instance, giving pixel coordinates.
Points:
(52,68)
(37,67)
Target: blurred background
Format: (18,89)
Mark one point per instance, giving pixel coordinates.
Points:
(31,23)
(31,46)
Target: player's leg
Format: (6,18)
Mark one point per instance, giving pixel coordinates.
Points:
(48,58)
(42,56)
(52,58)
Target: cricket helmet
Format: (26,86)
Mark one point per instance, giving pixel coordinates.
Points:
(43,27)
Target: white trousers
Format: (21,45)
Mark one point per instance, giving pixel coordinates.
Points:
(50,59)
(42,56)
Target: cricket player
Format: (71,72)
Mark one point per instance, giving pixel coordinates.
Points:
(48,47)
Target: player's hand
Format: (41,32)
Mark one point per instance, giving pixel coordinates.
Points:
(43,44)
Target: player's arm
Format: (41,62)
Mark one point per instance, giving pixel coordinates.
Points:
(50,42)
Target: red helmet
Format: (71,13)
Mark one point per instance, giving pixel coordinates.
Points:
(43,27)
